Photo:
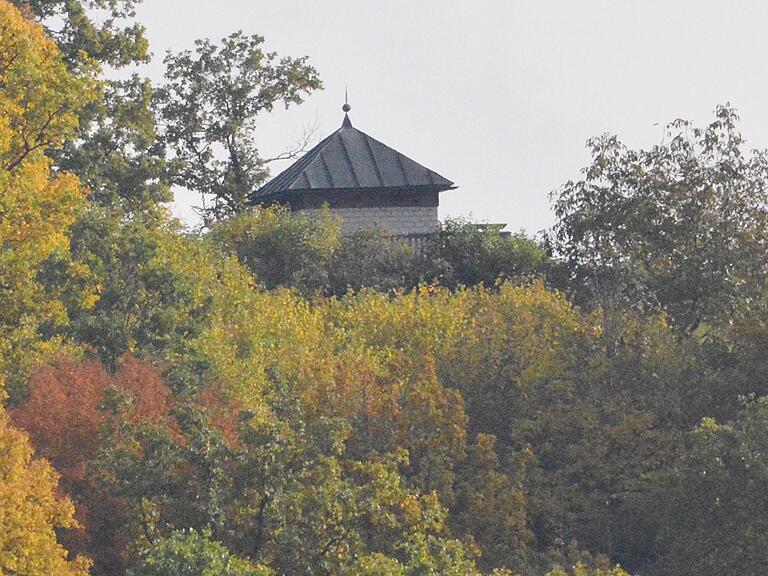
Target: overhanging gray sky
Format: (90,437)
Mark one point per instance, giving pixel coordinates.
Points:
(498,96)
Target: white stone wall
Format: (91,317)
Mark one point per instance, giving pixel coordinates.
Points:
(398,220)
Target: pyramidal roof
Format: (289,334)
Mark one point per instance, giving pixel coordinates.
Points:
(350,159)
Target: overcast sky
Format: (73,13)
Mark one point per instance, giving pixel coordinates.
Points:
(499,96)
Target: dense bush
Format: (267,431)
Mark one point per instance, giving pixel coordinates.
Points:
(463,253)
(310,254)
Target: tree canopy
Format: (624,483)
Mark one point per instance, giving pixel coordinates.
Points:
(39,105)
(682,226)
(210,104)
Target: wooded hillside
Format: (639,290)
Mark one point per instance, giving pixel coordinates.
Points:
(266,396)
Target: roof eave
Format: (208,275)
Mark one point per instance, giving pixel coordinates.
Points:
(297,191)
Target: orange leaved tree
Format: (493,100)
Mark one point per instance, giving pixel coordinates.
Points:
(65,416)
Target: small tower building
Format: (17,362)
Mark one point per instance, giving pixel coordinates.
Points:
(368,184)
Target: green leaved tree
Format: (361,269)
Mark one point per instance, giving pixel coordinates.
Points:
(115,152)
(191,553)
(682,226)
(210,104)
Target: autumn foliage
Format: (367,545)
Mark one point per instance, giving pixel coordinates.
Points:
(267,397)
(39,105)
(30,509)
(66,414)
(66,408)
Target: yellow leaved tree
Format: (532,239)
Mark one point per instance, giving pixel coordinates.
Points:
(29,511)
(39,104)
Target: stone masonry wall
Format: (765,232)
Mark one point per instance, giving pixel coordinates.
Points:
(399,220)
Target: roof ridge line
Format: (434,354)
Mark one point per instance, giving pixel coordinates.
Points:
(367,140)
(349,160)
(327,170)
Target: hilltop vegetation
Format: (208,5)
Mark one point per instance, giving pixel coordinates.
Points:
(265,396)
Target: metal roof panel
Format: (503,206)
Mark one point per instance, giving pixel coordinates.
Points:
(339,164)
(385,159)
(361,158)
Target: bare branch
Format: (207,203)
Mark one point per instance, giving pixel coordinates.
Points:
(307,135)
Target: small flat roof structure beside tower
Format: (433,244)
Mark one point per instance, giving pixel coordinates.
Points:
(368,184)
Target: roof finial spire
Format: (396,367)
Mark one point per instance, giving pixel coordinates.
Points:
(347,122)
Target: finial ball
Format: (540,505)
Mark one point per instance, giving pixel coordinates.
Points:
(346,107)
